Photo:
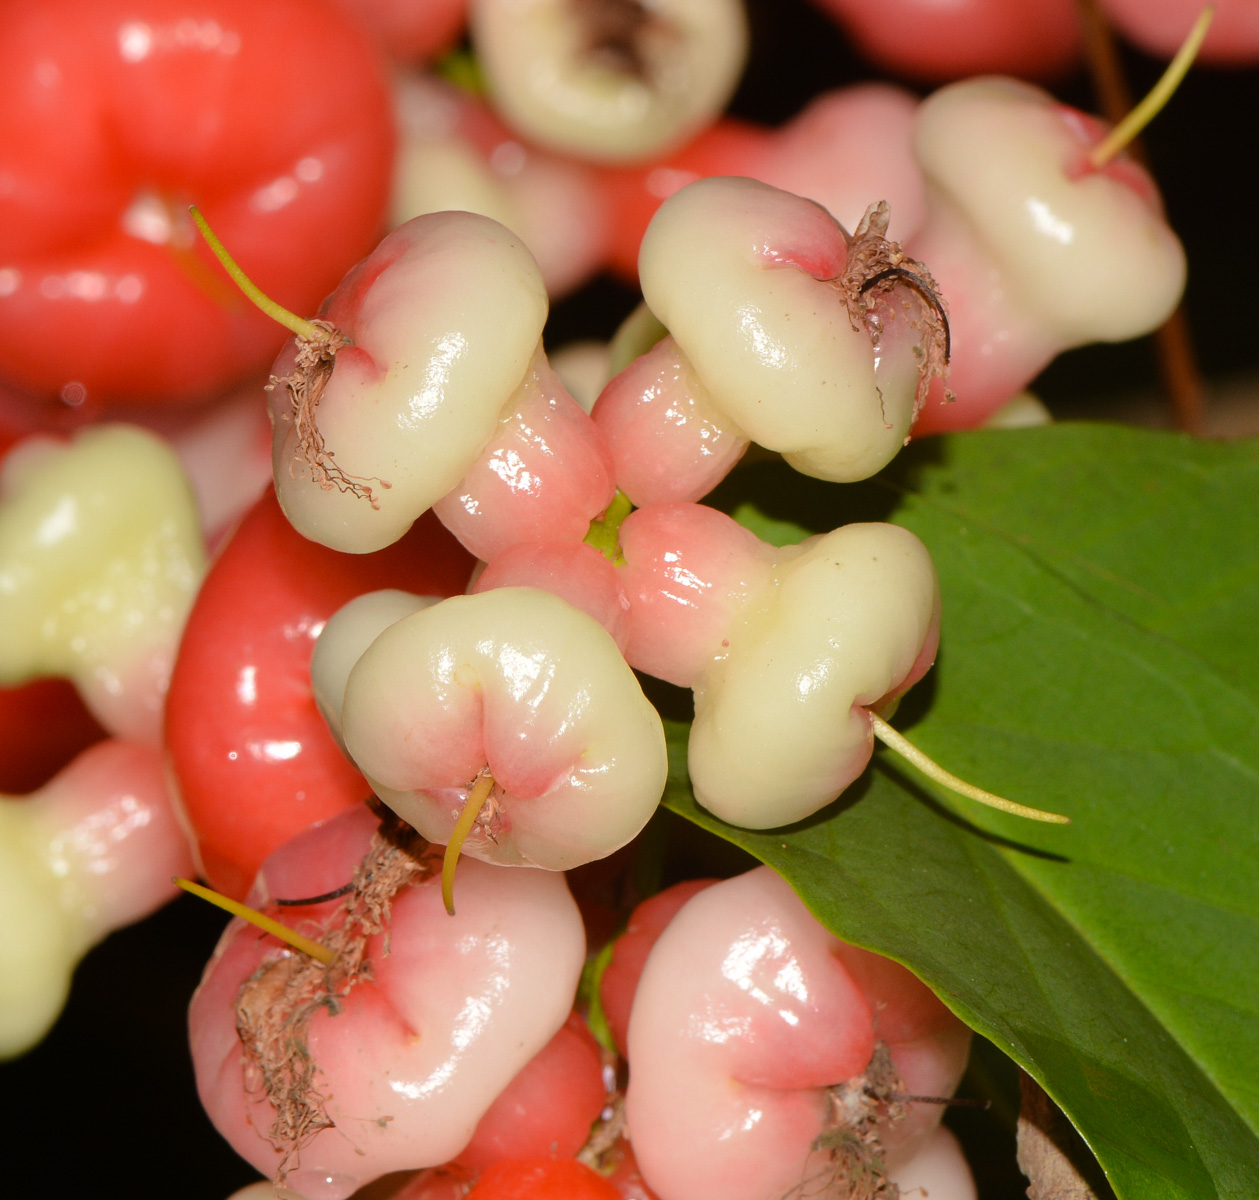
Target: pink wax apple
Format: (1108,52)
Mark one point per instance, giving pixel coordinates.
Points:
(846,148)
(92,851)
(253,761)
(101,555)
(631,950)
(455,153)
(1159,27)
(1036,250)
(667,440)
(574,571)
(406,1039)
(787,650)
(545,473)
(923,39)
(758,1041)
(688,572)
(620,85)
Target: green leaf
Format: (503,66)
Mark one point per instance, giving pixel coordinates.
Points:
(1100,597)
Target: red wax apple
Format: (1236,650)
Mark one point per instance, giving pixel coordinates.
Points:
(543,1179)
(548,1109)
(411,32)
(43,725)
(254,761)
(272,115)
(924,39)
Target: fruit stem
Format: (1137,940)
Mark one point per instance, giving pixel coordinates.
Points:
(307,330)
(314,949)
(604,532)
(477,797)
(932,769)
(1158,96)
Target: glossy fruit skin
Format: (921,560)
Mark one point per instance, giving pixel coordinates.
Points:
(542,1179)
(411,30)
(934,42)
(629,956)
(272,115)
(1159,26)
(43,725)
(547,1109)
(253,760)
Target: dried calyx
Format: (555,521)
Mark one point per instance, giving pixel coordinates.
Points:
(317,346)
(312,368)
(277,1003)
(861,1110)
(614,32)
(875,267)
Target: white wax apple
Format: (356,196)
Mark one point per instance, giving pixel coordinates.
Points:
(583,369)
(520,684)
(1036,249)
(753,1037)
(750,281)
(443,321)
(787,650)
(620,84)
(100,558)
(345,635)
(92,851)
(781,715)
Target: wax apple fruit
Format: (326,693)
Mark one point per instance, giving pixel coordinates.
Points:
(455,153)
(417,1047)
(846,148)
(753,1035)
(253,760)
(443,319)
(749,281)
(1037,249)
(100,557)
(517,683)
(611,90)
(91,852)
(272,115)
(1034,39)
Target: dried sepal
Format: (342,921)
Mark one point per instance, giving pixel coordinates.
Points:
(875,267)
(312,368)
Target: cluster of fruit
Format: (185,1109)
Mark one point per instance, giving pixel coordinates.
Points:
(494,712)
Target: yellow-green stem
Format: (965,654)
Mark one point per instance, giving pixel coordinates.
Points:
(604,533)
(261,920)
(277,312)
(932,769)
(1159,94)
(477,797)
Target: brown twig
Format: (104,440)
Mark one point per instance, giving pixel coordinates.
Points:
(1173,340)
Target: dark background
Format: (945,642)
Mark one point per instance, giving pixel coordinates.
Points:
(108,1098)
